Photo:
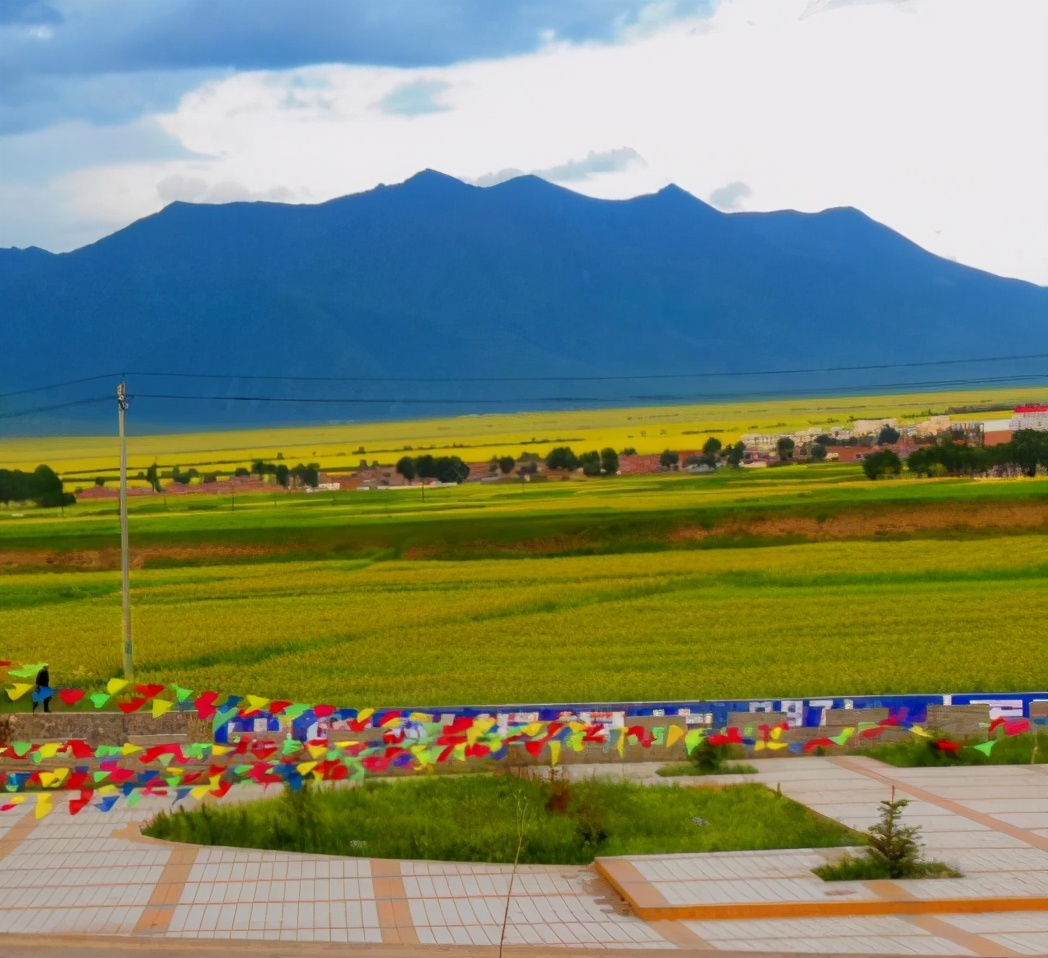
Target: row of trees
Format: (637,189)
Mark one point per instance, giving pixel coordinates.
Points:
(593,463)
(308,475)
(441,468)
(713,452)
(41,486)
(1027,450)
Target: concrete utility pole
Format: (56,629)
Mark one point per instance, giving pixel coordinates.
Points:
(121,403)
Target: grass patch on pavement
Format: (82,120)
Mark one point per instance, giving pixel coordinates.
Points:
(1025,749)
(477,819)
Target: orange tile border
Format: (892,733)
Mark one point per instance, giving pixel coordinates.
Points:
(391,903)
(981,818)
(18,832)
(156,916)
(821,909)
(981,946)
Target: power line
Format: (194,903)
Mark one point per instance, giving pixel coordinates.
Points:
(630,378)
(71,382)
(61,405)
(616,400)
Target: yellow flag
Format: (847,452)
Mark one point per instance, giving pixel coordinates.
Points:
(130,748)
(533,728)
(219,750)
(116,685)
(160,707)
(304,768)
(17,691)
(421,753)
(622,742)
(316,751)
(415,717)
(200,791)
(53,779)
(673,735)
(364,714)
(256,703)
(43,805)
(917,730)
(49,749)
(12,799)
(554,752)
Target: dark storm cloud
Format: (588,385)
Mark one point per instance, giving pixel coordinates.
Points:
(47,48)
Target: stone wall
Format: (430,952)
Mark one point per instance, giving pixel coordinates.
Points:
(101,728)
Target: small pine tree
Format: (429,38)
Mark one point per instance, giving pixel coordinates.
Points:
(897,844)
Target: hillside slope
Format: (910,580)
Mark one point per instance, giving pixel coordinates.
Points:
(433,278)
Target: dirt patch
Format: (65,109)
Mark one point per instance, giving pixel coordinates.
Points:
(890,521)
(102,560)
(869,522)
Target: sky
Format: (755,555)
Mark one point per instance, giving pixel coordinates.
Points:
(931,116)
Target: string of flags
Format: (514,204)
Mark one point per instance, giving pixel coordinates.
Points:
(103,775)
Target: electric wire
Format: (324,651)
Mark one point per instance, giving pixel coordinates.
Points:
(615,400)
(623,378)
(70,382)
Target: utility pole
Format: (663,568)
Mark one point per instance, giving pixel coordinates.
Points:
(121,403)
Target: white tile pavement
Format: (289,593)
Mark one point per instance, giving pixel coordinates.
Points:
(73,875)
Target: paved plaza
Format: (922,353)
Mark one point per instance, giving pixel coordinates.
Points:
(94,875)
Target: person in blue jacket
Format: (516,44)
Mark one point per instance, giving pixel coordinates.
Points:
(43,691)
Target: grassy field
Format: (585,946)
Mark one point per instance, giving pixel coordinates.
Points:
(802,580)
(475,818)
(478,438)
(810,619)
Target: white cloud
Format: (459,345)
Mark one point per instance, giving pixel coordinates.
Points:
(730,196)
(927,115)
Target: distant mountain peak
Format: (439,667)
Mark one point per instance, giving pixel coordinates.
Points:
(434,179)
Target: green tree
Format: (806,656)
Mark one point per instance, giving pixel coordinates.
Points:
(1029,449)
(406,468)
(153,477)
(506,464)
(881,465)
(669,459)
(609,461)
(888,436)
(562,457)
(282,474)
(818,451)
(45,488)
(241,472)
(736,454)
(711,446)
(100,481)
(308,475)
(894,843)
(590,463)
(785,446)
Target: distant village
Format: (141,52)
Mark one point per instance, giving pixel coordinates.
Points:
(850,443)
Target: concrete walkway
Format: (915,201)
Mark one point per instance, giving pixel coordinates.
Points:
(92,874)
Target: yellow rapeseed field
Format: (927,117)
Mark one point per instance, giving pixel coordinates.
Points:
(478,438)
(832,617)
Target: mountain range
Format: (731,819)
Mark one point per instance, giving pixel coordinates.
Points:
(521,295)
